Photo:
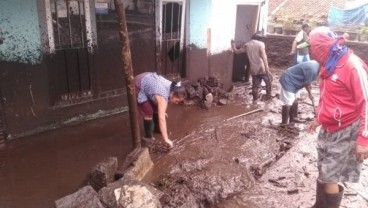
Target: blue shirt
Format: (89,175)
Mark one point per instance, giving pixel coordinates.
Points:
(296,77)
(153,84)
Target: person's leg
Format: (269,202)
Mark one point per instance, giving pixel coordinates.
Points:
(287,99)
(294,112)
(285,112)
(320,196)
(256,83)
(337,162)
(146,110)
(333,199)
(267,79)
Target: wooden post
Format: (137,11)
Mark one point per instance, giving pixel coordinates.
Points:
(128,72)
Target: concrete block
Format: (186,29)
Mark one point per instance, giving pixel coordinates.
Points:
(129,192)
(103,173)
(85,197)
(137,163)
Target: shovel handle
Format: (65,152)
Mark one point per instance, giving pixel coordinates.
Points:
(314,108)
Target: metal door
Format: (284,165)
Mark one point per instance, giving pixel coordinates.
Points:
(70,65)
(170,19)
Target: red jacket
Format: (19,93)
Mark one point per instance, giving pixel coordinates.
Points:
(344,96)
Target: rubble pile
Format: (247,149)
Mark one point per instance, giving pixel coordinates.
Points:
(112,187)
(208,92)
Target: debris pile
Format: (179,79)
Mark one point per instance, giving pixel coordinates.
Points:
(208,92)
(112,187)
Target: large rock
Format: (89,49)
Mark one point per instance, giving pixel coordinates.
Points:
(129,192)
(85,197)
(103,173)
(137,163)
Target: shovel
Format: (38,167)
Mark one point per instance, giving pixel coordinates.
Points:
(314,108)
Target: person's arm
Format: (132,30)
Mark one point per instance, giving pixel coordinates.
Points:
(162,106)
(237,50)
(359,88)
(298,38)
(293,47)
(264,58)
(309,90)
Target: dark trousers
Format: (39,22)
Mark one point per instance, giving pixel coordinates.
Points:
(256,83)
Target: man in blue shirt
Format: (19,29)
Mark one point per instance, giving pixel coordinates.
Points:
(292,80)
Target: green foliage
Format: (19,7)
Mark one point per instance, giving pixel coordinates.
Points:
(364,29)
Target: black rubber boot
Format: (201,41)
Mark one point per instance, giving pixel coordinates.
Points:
(255,94)
(320,196)
(269,86)
(285,114)
(334,200)
(148,129)
(294,113)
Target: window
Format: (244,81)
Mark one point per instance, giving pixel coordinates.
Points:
(71,24)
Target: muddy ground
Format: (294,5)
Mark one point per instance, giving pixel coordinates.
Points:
(244,162)
(213,164)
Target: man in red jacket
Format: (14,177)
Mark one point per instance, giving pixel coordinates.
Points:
(342,142)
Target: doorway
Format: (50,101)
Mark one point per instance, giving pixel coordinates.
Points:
(247,17)
(170,18)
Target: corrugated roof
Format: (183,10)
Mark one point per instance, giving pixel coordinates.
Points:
(303,10)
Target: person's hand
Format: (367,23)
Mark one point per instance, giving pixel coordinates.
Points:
(361,152)
(169,142)
(313,126)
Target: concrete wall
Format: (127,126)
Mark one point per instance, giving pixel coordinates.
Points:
(197,38)
(19,31)
(278,47)
(211,27)
(29,77)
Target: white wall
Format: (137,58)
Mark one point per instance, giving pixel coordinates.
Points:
(223,20)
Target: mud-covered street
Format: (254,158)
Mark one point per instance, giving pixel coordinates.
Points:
(223,157)
(245,161)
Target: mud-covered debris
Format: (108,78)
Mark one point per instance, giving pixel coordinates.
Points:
(222,102)
(208,92)
(277,183)
(207,105)
(209,97)
(245,134)
(158,148)
(259,170)
(85,197)
(293,191)
(306,173)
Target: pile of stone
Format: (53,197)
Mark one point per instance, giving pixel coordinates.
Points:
(110,187)
(208,92)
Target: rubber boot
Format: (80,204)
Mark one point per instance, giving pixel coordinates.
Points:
(156,123)
(148,129)
(334,200)
(294,113)
(320,196)
(269,86)
(255,94)
(285,113)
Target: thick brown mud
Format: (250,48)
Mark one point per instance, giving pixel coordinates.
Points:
(211,162)
(37,170)
(216,158)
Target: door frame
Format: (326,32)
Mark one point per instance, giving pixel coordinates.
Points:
(158,23)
